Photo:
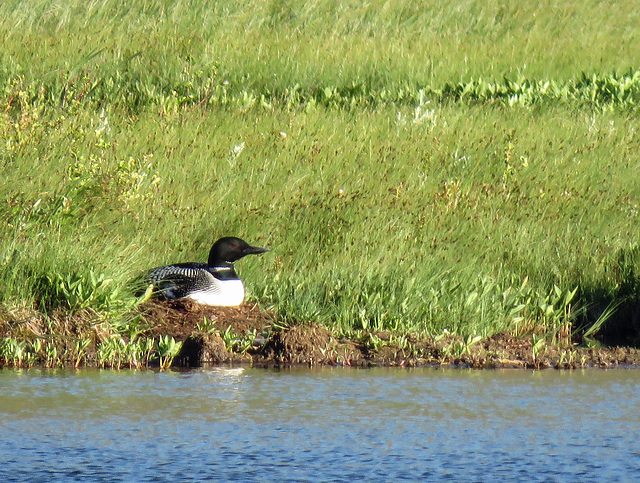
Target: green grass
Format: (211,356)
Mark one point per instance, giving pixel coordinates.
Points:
(468,167)
(129,54)
(278,44)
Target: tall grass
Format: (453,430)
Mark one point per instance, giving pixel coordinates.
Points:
(278,44)
(397,188)
(127,53)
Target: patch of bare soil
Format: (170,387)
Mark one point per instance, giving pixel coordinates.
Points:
(310,344)
(180,318)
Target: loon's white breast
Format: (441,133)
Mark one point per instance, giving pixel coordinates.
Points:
(224,293)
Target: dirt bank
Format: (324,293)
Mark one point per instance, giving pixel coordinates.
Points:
(262,339)
(251,335)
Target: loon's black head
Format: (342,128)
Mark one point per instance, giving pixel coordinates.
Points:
(229,249)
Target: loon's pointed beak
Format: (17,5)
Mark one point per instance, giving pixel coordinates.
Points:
(254,250)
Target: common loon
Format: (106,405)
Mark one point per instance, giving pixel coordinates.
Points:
(212,283)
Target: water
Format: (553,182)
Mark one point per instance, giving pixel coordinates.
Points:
(320,425)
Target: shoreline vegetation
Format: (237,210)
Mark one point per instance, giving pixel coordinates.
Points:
(438,184)
(185,334)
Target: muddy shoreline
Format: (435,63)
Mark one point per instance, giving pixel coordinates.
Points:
(253,336)
(274,343)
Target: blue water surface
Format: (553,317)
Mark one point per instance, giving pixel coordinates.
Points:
(332,424)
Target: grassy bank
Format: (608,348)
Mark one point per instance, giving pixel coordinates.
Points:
(413,169)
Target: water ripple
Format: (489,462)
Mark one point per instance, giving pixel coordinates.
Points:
(329,425)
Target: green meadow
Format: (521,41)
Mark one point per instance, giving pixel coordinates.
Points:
(467,167)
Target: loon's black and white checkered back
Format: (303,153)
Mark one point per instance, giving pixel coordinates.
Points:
(178,281)
(206,285)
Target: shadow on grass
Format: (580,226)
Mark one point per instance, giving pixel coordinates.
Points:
(612,316)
